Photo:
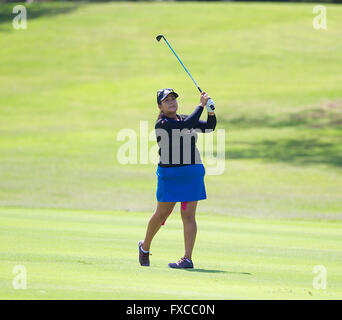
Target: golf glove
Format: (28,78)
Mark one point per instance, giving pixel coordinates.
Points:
(210,105)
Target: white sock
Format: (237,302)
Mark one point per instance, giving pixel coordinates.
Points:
(143,250)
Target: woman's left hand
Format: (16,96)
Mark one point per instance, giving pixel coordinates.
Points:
(204,99)
(210,105)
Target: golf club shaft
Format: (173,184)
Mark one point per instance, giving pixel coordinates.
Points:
(183,65)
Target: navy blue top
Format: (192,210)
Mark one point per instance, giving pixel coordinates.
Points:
(177,133)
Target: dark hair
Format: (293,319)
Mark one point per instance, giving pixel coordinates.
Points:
(161,114)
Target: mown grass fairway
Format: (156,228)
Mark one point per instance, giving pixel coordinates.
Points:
(72,214)
(93,255)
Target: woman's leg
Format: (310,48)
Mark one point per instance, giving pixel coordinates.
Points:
(161,213)
(189,226)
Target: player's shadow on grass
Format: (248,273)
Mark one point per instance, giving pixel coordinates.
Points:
(216,271)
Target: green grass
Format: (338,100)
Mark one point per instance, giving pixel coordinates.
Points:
(82,72)
(72,254)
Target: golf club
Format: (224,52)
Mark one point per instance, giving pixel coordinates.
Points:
(210,101)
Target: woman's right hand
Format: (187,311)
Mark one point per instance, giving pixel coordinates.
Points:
(204,99)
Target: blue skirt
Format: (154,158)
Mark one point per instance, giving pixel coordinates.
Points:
(183,183)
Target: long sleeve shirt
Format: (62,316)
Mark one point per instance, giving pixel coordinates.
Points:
(177,138)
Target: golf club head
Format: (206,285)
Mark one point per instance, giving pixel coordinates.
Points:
(159,37)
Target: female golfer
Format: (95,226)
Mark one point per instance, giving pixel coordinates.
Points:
(180,171)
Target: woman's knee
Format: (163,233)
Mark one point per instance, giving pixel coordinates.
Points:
(188,211)
(188,216)
(162,212)
(161,215)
